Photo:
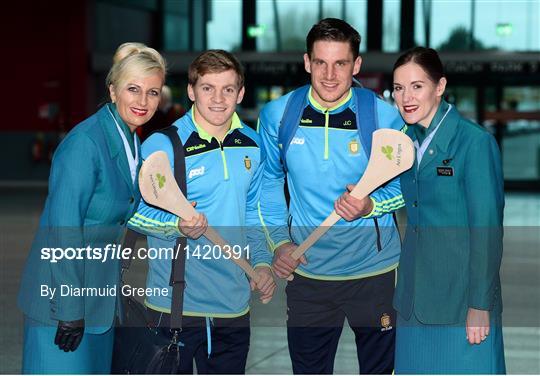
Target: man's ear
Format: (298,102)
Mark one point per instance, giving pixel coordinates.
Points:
(112,93)
(357,65)
(191,92)
(307,63)
(241,95)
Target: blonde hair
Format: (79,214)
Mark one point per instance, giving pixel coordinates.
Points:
(134,59)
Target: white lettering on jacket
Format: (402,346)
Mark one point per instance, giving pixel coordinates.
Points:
(196,172)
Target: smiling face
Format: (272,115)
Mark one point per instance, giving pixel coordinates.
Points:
(215,96)
(137,99)
(416,95)
(332,66)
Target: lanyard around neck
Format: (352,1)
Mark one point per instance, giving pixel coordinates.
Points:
(421,149)
(132,161)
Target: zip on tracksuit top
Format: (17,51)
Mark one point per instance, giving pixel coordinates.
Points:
(324,156)
(224,179)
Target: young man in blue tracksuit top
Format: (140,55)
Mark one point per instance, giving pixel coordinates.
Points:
(350,272)
(224,166)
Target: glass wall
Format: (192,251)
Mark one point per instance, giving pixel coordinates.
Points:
(176,25)
(356,15)
(443,23)
(478,25)
(224,28)
(183,25)
(391,25)
(521,133)
(508,25)
(285,23)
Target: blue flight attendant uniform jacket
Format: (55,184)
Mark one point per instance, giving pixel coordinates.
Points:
(452,251)
(91,198)
(453,244)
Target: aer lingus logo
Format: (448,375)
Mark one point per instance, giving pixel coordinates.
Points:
(161,180)
(387,151)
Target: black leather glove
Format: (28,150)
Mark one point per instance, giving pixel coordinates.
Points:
(69,334)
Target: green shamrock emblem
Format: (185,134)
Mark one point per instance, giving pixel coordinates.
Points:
(387,150)
(161,180)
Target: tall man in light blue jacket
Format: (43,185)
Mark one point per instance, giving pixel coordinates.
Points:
(350,272)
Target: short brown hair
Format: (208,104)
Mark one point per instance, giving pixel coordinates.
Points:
(215,61)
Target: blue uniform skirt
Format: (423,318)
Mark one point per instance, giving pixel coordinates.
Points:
(444,349)
(42,356)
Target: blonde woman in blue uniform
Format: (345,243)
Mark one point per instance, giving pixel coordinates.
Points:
(448,293)
(68,296)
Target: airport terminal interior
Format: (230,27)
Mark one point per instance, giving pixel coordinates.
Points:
(63,49)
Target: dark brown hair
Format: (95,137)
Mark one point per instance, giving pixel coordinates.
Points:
(334,29)
(427,58)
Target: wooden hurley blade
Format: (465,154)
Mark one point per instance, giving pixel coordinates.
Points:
(159,188)
(392,153)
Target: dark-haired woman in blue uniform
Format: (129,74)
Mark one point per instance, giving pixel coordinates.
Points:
(448,294)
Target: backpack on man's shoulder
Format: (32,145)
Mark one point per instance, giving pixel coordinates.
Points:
(366,117)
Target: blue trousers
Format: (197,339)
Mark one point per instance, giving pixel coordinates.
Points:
(444,349)
(42,356)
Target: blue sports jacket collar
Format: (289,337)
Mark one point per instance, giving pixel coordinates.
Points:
(189,120)
(316,105)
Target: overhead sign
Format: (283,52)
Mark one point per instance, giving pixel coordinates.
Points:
(504,29)
(254,31)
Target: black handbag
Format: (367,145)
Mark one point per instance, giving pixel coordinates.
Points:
(139,346)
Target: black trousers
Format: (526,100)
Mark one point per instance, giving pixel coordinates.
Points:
(229,343)
(316,313)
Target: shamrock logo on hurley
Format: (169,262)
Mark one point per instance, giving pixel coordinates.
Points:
(387,151)
(161,180)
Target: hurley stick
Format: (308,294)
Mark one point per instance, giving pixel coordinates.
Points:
(392,152)
(158,187)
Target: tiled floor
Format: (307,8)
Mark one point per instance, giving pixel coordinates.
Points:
(269,353)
